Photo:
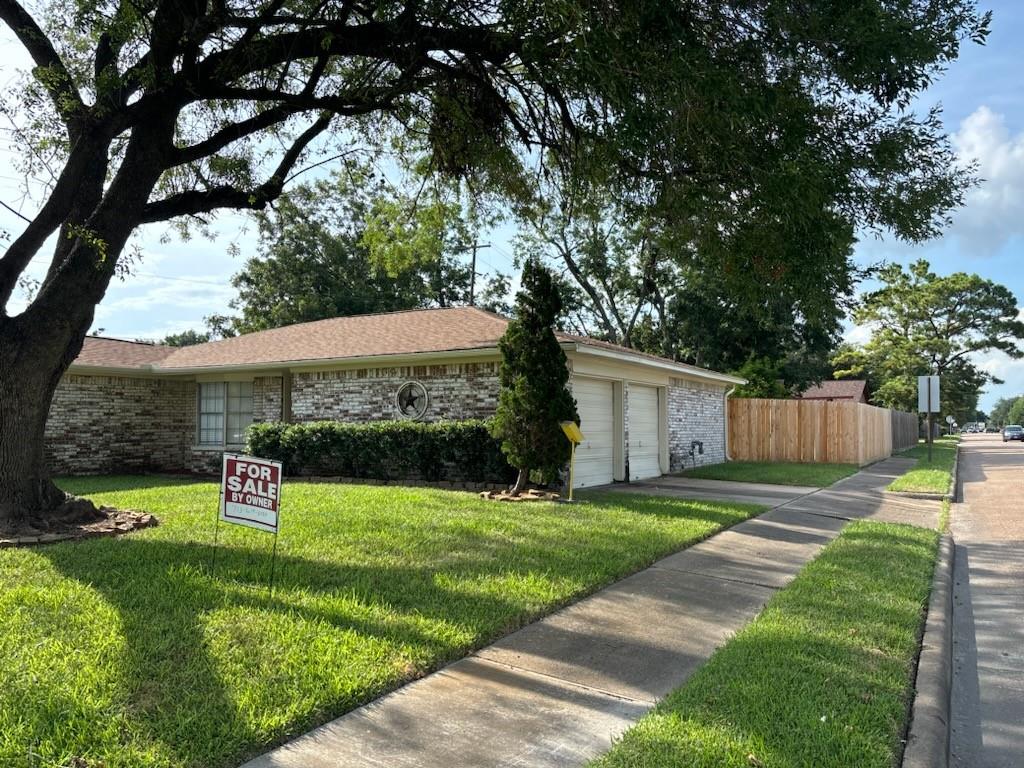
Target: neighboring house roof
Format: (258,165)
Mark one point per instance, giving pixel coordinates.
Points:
(359,337)
(849,389)
(101,352)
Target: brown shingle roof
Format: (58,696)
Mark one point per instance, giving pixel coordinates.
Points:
(850,389)
(101,352)
(394,333)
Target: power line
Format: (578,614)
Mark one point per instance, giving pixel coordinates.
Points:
(16,213)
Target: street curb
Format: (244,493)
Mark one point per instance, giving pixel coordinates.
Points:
(951,491)
(928,738)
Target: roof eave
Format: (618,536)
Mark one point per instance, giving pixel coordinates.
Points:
(661,363)
(312,363)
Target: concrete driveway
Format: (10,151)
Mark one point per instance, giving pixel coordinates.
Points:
(988,606)
(715,490)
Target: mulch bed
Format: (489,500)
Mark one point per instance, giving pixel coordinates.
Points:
(532,494)
(105,521)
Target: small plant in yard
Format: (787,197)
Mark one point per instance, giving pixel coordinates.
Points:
(534,379)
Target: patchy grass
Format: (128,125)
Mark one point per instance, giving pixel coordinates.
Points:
(131,652)
(779,473)
(821,678)
(928,477)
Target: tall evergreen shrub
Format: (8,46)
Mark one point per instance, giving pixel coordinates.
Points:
(534,379)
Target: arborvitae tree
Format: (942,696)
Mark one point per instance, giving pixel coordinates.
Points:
(534,377)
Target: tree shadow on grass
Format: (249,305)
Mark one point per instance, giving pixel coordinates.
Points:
(203,650)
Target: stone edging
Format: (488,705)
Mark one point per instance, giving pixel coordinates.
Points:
(117,523)
(927,744)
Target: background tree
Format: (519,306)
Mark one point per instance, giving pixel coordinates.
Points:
(1001,411)
(924,324)
(534,377)
(185,338)
(316,260)
(738,119)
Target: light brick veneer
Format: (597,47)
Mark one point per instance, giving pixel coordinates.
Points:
(696,411)
(455,391)
(266,398)
(101,424)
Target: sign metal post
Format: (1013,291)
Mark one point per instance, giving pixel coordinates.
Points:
(928,402)
(250,495)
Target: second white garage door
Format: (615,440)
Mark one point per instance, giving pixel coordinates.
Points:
(644,445)
(594,456)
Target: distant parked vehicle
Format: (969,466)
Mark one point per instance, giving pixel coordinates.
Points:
(1013,432)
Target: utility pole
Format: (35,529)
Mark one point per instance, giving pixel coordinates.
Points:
(472,268)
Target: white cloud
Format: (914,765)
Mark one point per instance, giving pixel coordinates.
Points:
(993,213)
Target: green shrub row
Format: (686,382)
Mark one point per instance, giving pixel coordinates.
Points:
(458,451)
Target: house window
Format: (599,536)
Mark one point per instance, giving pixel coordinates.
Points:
(225,410)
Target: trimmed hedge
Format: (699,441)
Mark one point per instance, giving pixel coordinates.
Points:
(460,451)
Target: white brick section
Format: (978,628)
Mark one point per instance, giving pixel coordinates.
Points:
(696,411)
(457,391)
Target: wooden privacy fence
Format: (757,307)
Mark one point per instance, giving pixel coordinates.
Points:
(905,428)
(819,431)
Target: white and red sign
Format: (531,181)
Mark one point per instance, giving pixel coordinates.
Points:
(250,492)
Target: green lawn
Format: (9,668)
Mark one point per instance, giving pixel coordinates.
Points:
(928,477)
(129,652)
(779,473)
(821,678)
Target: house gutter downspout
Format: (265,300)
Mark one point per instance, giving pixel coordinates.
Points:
(725,421)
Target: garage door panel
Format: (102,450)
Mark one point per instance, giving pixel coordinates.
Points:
(595,456)
(644,433)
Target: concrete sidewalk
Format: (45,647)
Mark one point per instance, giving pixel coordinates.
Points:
(558,691)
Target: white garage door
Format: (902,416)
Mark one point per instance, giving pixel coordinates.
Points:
(594,456)
(644,448)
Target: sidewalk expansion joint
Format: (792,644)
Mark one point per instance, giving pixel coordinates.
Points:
(715,576)
(564,681)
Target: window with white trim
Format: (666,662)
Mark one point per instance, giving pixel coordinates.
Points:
(225,411)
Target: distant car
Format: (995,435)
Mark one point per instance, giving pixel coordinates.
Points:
(1013,432)
(992,431)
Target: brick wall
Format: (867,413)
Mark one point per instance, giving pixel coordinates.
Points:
(456,391)
(101,424)
(266,398)
(696,411)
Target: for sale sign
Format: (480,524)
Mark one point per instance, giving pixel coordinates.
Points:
(250,492)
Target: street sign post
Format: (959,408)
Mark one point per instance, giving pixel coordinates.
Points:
(928,403)
(250,495)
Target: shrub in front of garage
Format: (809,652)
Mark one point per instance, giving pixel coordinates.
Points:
(452,451)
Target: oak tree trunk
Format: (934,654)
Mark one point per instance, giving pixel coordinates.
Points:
(27,384)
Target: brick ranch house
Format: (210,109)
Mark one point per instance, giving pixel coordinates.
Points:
(128,406)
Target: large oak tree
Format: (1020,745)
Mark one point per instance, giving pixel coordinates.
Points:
(732,116)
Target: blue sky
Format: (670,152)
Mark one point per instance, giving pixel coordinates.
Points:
(178,283)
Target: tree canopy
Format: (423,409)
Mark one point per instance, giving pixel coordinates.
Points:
(752,125)
(324,253)
(922,323)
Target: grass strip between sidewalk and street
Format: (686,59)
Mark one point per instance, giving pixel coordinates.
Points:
(136,651)
(821,678)
(925,476)
(775,472)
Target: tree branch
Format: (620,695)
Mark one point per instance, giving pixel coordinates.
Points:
(58,84)
(194,203)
